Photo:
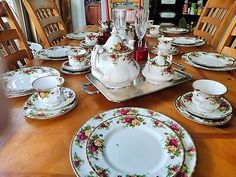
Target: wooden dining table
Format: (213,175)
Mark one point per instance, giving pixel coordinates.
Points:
(33,148)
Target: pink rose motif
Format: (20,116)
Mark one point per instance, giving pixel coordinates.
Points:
(124,111)
(93,148)
(98,117)
(174,127)
(173,142)
(175,168)
(128,119)
(182,174)
(76,162)
(157,122)
(82,136)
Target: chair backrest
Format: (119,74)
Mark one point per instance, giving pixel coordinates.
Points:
(14,49)
(213,20)
(47,20)
(227,45)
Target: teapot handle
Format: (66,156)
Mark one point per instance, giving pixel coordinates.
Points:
(94,58)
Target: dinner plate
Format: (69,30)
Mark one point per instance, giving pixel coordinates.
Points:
(180,107)
(187,60)
(172,51)
(174,30)
(57,52)
(212,60)
(33,108)
(19,82)
(113,146)
(223,111)
(78,156)
(187,41)
(78,35)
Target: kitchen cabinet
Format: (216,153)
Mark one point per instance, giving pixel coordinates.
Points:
(93,13)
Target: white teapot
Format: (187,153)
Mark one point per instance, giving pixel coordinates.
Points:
(112,64)
(158,69)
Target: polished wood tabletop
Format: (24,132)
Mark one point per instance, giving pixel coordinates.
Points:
(41,147)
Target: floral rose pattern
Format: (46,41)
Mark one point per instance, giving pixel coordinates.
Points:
(77,161)
(173,146)
(172,170)
(94,146)
(83,135)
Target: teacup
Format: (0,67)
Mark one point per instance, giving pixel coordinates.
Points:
(91,39)
(157,74)
(207,94)
(76,58)
(49,89)
(150,23)
(104,25)
(164,45)
(154,30)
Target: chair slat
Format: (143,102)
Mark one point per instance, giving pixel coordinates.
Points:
(47,20)
(11,33)
(8,35)
(214,20)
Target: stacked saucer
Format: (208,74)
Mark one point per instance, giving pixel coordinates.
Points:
(18,82)
(210,61)
(78,63)
(35,108)
(108,144)
(188,41)
(205,108)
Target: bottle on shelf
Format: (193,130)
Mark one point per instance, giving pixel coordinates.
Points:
(193,9)
(199,7)
(185,8)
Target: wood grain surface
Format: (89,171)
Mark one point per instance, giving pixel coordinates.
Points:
(41,147)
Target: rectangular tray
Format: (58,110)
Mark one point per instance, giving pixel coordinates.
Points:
(139,87)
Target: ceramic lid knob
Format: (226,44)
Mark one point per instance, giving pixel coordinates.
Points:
(159,59)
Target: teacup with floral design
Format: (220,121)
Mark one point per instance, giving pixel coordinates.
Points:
(164,45)
(49,89)
(207,94)
(91,39)
(77,58)
(154,30)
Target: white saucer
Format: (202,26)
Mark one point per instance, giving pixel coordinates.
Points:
(36,109)
(179,106)
(84,44)
(223,111)
(74,72)
(68,67)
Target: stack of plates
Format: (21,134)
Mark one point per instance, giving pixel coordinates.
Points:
(174,30)
(210,61)
(220,116)
(188,41)
(34,108)
(132,142)
(78,35)
(19,82)
(56,52)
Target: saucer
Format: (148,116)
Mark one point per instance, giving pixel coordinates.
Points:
(84,44)
(180,107)
(65,71)
(172,51)
(36,109)
(223,111)
(68,67)
(154,36)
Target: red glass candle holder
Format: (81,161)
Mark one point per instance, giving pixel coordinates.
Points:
(141,54)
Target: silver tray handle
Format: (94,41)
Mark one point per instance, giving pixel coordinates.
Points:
(84,88)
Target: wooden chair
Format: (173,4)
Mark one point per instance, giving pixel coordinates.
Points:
(227,45)
(14,49)
(214,19)
(47,20)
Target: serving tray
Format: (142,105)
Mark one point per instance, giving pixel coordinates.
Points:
(138,88)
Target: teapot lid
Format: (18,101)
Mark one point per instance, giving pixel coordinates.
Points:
(114,42)
(160,59)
